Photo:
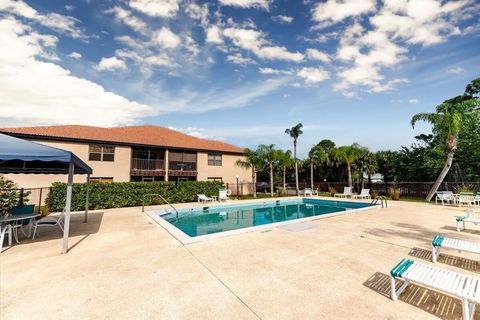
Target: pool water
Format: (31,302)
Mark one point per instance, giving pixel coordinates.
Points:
(220,218)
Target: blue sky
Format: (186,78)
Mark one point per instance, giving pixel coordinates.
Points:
(238,70)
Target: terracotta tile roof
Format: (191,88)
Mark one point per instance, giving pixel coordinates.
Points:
(132,135)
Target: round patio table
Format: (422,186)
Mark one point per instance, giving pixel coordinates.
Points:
(11,219)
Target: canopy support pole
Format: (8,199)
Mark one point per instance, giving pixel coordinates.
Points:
(68,204)
(85,219)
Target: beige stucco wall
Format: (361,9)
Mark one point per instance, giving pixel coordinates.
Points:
(227,171)
(118,169)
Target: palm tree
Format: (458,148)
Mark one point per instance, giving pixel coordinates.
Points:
(251,161)
(270,156)
(448,122)
(294,133)
(285,161)
(317,156)
(367,162)
(348,155)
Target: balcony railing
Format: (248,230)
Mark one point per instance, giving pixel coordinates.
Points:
(182,166)
(148,164)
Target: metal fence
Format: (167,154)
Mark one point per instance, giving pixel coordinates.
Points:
(35,196)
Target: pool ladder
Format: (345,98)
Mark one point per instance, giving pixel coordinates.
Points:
(161,197)
(382,200)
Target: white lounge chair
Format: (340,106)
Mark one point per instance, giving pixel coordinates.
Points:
(49,221)
(444,196)
(308,192)
(466,198)
(347,192)
(223,194)
(203,198)
(464,287)
(450,243)
(364,194)
(472,217)
(3,232)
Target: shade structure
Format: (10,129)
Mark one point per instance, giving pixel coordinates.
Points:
(22,156)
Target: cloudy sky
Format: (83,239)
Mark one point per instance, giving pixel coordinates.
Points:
(238,70)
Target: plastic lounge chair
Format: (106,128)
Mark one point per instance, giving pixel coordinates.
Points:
(464,287)
(49,221)
(203,198)
(471,217)
(364,194)
(444,196)
(466,198)
(476,200)
(307,192)
(223,195)
(18,210)
(3,232)
(450,243)
(347,192)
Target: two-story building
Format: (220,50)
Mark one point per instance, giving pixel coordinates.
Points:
(135,153)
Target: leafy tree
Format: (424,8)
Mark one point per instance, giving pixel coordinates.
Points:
(348,155)
(294,132)
(270,157)
(252,161)
(285,161)
(367,162)
(449,120)
(9,195)
(317,156)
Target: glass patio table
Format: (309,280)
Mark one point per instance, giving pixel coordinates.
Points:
(13,219)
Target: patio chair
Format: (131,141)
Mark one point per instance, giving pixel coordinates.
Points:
(49,221)
(3,232)
(466,198)
(476,200)
(364,194)
(444,196)
(223,195)
(464,287)
(472,217)
(203,198)
(347,192)
(451,243)
(307,192)
(18,210)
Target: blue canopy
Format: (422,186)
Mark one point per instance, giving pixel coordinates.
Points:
(22,156)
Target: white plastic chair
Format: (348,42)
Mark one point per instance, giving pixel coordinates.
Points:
(49,221)
(364,194)
(223,194)
(203,198)
(347,192)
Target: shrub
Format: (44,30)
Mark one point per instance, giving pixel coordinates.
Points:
(465,188)
(332,191)
(129,194)
(394,193)
(9,195)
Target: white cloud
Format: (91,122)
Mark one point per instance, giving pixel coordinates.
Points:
(57,22)
(166,38)
(246,3)
(237,58)
(75,55)
(313,75)
(69,7)
(455,70)
(198,12)
(155,8)
(254,41)
(333,11)
(111,64)
(283,19)
(317,55)
(33,92)
(214,34)
(126,17)
(414,100)
(273,71)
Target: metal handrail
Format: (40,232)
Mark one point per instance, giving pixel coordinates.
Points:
(382,199)
(161,197)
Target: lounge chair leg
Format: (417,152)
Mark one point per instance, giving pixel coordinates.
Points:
(435,254)
(393,294)
(467,314)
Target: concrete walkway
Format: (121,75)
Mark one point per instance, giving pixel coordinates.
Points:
(125,266)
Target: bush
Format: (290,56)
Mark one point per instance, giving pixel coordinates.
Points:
(332,191)
(394,193)
(129,194)
(9,195)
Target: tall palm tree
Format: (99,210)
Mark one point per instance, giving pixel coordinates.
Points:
(285,161)
(348,155)
(317,156)
(367,162)
(294,132)
(251,161)
(270,156)
(448,122)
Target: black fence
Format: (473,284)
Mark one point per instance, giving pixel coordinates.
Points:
(35,196)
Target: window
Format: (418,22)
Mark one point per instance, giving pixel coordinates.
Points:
(182,161)
(99,152)
(101,179)
(214,159)
(215,179)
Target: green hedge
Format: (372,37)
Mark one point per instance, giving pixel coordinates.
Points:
(129,194)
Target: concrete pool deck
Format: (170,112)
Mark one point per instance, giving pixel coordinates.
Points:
(125,266)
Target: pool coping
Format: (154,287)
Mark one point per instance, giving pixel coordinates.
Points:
(185,239)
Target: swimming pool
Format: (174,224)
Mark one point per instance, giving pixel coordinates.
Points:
(219,218)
